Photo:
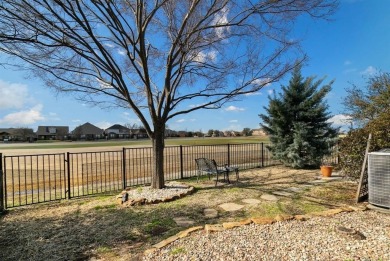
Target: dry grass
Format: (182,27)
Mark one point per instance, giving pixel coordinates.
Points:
(80,229)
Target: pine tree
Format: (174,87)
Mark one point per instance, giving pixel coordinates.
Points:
(296,121)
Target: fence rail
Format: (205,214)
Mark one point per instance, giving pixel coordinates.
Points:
(31,179)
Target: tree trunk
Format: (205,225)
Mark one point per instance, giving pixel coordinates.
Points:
(158,158)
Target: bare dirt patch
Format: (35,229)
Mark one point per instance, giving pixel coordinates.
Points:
(97,227)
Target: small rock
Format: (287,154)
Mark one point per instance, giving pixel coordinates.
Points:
(183,221)
(210,213)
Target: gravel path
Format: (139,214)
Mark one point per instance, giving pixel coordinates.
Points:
(316,239)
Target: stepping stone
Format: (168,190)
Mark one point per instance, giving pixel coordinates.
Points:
(282,193)
(231,206)
(319,181)
(183,221)
(295,189)
(210,213)
(269,197)
(251,201)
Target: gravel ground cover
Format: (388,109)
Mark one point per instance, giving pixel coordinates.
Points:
(319,238)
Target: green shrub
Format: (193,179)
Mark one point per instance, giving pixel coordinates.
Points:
(353,146)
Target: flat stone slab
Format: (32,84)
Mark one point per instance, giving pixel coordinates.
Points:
(318,181)
(231,206)
(295,189)
(183,221)
(282,193)
(332,178)
(210,213)
(269,197)
(251,201)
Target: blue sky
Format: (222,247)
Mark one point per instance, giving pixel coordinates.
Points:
(348,49)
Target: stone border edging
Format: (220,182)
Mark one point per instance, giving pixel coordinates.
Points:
(144,201)
(208,228)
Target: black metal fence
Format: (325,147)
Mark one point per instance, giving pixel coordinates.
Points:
(30,179)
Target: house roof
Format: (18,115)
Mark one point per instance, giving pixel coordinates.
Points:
(88,129)
(52,130)
(118,127)
(7,130)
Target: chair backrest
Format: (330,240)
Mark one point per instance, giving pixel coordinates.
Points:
(205,164)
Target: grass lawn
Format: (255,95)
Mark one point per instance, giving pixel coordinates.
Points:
(96,227)
(132,143)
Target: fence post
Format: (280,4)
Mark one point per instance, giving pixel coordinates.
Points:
(181,163)
(124,168)
(228,152)
(262,154)
(1,184)
(68,172)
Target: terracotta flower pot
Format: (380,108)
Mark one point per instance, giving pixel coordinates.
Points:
(326,171)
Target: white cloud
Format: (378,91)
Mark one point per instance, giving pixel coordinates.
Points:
(253,94)
(370,70)
(265,82)
(221,19)
(270,92)
(340,120)
(234,108)
(109,45)
(192,120)
(12,95)
(202,57)
(24,117)
(180,120)
(347,62)
(233,121)
(76,121)
(122,52)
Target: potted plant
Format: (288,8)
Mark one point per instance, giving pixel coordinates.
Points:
(326,169)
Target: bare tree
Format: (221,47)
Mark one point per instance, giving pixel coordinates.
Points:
(363,104)
(156,57)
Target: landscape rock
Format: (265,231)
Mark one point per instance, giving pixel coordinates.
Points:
(262,220)
(231,206)
(282,217)
(210,213)
(213,228)
(269,197)
(188,231)
(166,241)
(229,225)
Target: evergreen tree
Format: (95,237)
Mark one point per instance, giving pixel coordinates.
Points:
(296,121)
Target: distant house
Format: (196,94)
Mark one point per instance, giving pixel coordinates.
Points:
(16,134)
(52,132)
(6,134)
(258,132)
(118,131)
(139,134)
(87,131)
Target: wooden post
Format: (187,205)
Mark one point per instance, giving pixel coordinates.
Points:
(362,192)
